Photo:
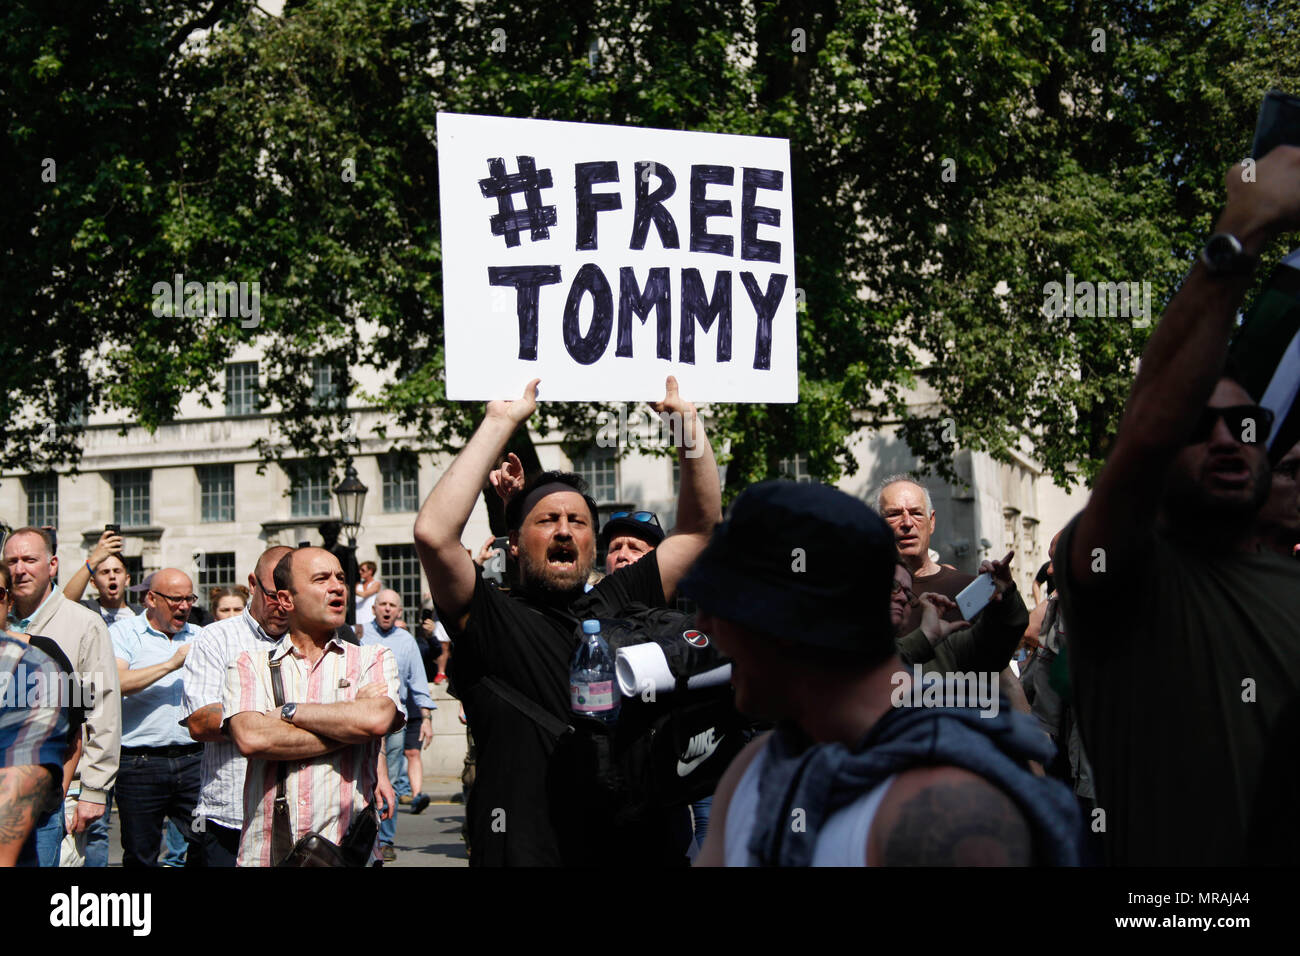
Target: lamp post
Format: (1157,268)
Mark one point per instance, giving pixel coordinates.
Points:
(351,494)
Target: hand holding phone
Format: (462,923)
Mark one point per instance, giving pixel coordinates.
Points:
(1278,123)
(975,596)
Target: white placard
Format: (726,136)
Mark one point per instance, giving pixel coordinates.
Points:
(602,259)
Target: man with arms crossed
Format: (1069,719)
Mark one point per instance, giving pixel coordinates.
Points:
(340,702)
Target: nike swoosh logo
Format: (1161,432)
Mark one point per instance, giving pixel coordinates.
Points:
(686,766)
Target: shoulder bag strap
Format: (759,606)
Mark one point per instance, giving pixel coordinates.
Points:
(530,709)
(281,826)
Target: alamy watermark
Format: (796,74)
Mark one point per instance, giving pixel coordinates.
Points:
(646,430)
(195,300)
(1086,300)
(34,688)
(948,689)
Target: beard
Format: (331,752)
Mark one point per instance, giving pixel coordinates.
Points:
(551,584)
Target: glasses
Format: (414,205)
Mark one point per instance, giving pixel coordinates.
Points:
(171,599)
(4,594)
(1239,418)
(897,586)
(645,517)
(1287,469)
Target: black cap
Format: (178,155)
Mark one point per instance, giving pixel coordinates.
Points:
(800,561)
(647,529)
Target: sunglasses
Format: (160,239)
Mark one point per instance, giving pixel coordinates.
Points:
(1240,419)
(4,594)
(645,517)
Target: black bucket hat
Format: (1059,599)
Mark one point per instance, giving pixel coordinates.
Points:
(800,561)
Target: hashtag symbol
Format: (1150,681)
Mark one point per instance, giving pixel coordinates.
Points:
(530,181)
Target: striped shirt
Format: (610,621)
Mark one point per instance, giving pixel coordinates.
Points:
(217,647)
(33,726)
(326,792)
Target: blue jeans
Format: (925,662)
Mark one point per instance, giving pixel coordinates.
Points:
(393,744)
(151,788)
(174,844)
(42,846)
(701,809)
(97,837)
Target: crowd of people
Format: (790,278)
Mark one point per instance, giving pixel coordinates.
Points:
(1145,711)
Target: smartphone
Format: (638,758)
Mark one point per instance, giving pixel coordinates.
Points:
(1278,123)
(115,528)
(975,596)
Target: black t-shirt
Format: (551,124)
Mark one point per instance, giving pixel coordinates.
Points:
(1177,691)
(947,582)
(529,805)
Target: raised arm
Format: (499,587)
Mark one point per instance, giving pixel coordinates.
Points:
(699,500)
(110,543)
(441,521)
(1179,369)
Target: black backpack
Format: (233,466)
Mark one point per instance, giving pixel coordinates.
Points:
(667,749)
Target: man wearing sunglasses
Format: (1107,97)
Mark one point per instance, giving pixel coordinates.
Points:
(1183,647)
(160,772)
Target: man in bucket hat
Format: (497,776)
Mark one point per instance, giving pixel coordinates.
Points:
(794,587)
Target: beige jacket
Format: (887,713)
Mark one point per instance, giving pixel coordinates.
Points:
(83,637)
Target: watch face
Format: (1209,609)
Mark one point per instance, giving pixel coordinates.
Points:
(1222,250)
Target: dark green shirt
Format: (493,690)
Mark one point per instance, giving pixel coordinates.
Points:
(1178,676)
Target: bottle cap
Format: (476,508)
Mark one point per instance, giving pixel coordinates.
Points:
(591,627)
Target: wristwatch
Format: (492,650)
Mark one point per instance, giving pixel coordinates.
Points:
(1223,255)
(287,712)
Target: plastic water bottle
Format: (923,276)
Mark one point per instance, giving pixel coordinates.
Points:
(593,691)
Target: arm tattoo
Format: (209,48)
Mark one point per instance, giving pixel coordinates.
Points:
(25,793)
(966,824)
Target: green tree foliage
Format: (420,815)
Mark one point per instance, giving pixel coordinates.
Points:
(298,151)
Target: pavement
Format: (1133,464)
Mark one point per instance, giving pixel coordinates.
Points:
(430,839)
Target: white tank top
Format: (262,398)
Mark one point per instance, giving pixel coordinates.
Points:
(842,840)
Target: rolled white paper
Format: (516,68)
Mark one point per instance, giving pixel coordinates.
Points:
(642,666)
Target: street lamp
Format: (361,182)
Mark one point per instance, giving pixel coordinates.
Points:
(352,500)
(351,494)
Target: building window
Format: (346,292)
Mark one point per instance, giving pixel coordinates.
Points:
(42,500)
(400,476)
(310,492)
(600,470)
(677,476)
(328,383)
(216,570)
(241,388)
(131,497)
(217,492)
(399,569)
(134,565)
(794,469)
(1010,530)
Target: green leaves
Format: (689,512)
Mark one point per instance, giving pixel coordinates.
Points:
(224,159)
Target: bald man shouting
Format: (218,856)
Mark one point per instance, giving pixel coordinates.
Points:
(160,773)
(382,630)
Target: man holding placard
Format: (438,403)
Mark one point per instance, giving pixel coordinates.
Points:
(530,806)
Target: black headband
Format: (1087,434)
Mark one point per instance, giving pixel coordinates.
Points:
(540,492)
